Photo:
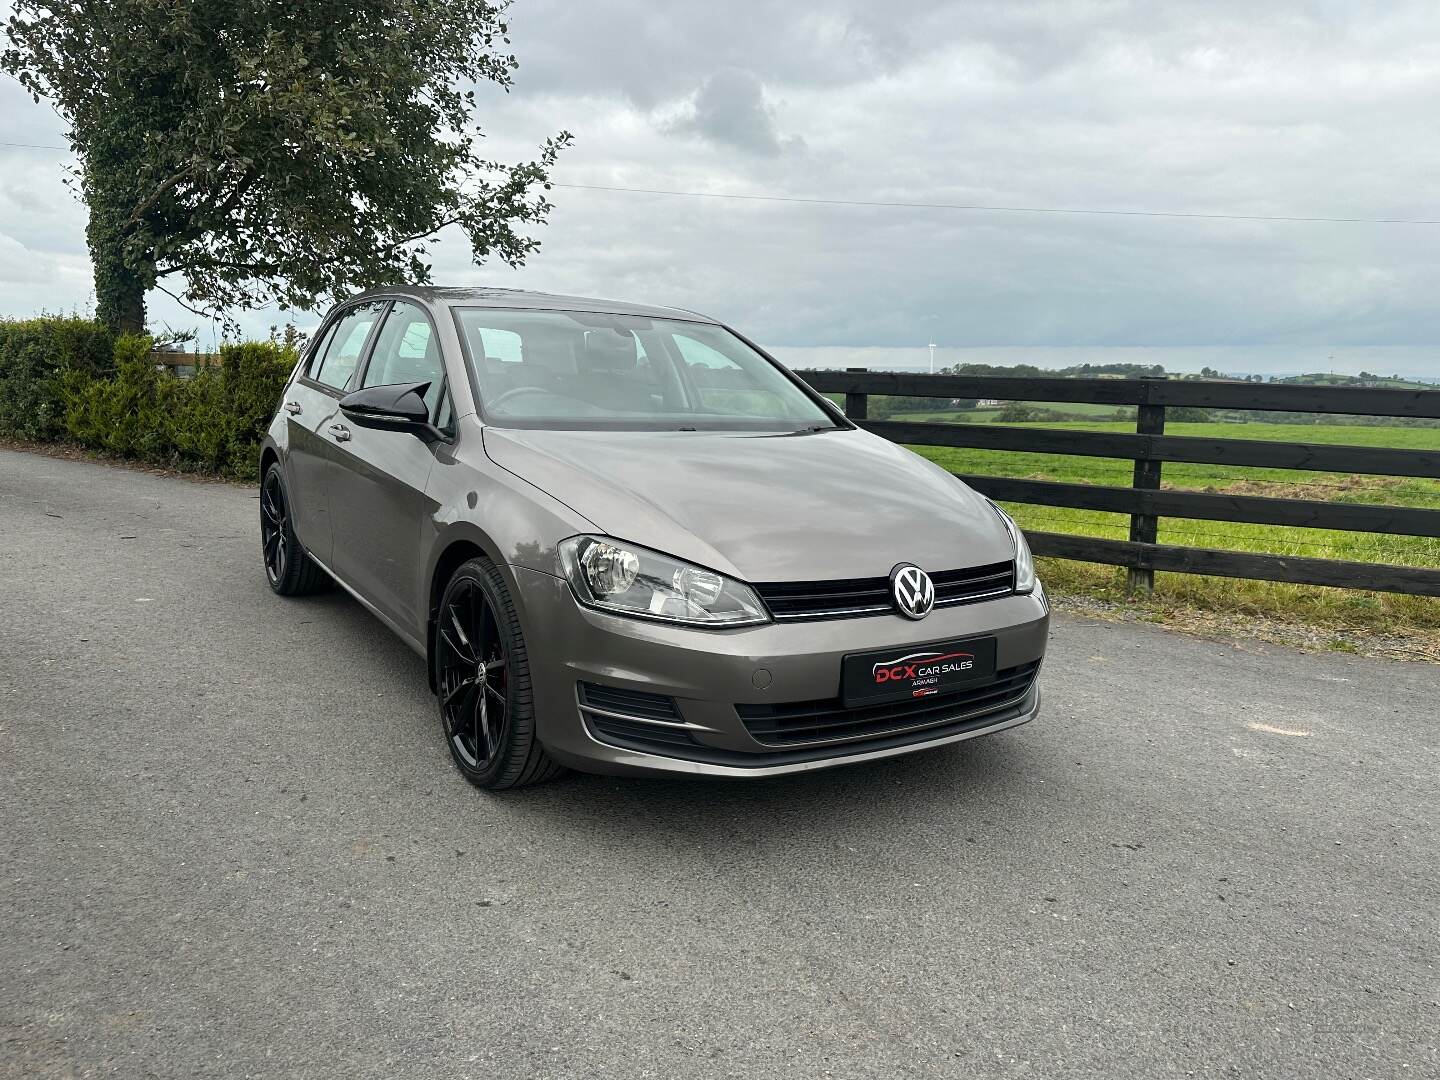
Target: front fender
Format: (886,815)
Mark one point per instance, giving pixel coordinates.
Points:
(479,506)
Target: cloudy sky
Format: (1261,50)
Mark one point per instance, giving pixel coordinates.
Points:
(1298,109)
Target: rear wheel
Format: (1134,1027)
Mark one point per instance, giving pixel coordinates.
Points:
(482,679)
(288,568)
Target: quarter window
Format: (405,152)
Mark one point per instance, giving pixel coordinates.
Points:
(445,416)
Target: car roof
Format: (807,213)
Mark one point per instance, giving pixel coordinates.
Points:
(488,297)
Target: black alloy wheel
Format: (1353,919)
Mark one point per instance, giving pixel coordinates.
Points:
(473,686)
(288,569)
(482,681)
(274,524)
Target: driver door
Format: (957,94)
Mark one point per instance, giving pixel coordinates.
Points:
(377,491)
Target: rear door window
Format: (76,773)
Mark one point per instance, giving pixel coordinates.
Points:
(346,344)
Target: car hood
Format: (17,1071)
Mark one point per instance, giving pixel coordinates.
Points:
(761,506)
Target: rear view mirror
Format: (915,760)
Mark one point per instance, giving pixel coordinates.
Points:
(399,407)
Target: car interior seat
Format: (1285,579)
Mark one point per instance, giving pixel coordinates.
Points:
(611,375)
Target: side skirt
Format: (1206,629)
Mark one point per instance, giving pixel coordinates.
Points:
(399,631)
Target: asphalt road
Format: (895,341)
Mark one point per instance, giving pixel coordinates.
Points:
(233,845)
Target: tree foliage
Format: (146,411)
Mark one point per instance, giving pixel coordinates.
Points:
(265,151)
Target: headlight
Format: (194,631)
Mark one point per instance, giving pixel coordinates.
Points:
(1024,561)
(630,580)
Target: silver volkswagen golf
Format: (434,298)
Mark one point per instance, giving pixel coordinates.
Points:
(626,540)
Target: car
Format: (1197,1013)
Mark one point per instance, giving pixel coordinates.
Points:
(627,540)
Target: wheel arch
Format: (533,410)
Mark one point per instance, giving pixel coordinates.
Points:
(522,526)
(454,552)
(268,456)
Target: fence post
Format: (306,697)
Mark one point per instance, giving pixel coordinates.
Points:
(1145,528)
(857,406)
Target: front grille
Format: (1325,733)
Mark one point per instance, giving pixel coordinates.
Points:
(633,719)
(973,583)
(856,597)
(800,722)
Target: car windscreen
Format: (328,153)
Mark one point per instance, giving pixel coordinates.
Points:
(572,369)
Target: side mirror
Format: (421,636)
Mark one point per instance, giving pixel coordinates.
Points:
(399,407)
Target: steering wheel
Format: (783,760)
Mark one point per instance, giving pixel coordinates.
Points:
(520,391)
(517,391)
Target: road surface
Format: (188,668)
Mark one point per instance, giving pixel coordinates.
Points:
(234,846)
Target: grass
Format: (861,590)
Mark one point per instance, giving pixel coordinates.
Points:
(1339,608)
(1235,605)
(1405,438)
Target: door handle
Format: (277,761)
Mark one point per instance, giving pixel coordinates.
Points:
(293,408)
(341,432)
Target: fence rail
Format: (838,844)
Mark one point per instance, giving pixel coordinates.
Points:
(182,362)
(1150,447)
(1196,393)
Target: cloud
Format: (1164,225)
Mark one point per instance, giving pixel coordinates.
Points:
(730,109)
(1207,106)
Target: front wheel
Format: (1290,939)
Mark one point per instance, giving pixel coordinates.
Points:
(482,679)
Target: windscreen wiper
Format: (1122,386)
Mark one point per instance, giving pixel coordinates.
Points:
(810,429)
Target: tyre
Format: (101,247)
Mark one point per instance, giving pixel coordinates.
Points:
(288,567)
(482,679)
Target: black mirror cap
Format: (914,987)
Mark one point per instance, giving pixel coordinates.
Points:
(397,407)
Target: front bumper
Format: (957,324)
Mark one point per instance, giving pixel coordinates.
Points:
(711,673)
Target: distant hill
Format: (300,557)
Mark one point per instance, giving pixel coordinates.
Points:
(1139,371)
(1363,379)
(1075,371)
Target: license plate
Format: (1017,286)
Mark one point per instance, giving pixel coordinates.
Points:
(915,672)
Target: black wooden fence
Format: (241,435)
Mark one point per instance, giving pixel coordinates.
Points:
(1149,447)
(183,364)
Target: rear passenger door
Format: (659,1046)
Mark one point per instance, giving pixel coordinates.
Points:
(311,405)
(377,496)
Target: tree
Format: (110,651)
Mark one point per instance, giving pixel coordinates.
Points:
(1187,414)
(882,408)
(1016,413)
(276,152)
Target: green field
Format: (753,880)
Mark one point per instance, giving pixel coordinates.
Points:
(1284,483)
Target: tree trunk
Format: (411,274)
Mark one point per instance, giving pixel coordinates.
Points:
(120,283)
(119,288)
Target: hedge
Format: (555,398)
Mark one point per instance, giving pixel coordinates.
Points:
(35,357)
(119,402)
